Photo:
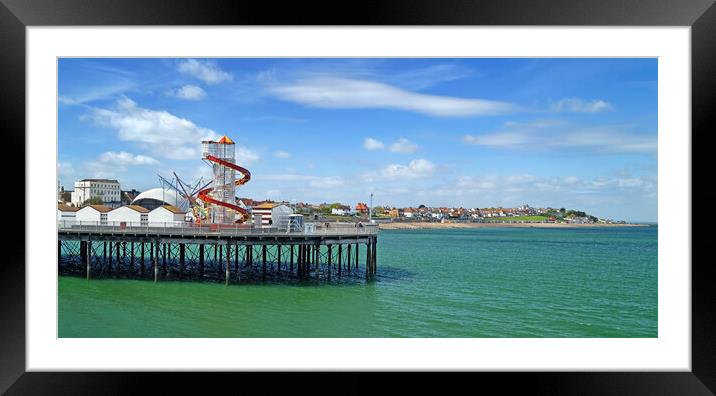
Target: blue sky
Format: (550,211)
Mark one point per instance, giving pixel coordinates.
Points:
(574,133)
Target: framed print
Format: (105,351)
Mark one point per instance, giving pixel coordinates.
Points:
(455,188)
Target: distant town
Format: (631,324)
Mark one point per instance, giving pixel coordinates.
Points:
(107,193)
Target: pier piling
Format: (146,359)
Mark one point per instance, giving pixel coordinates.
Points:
(179,255)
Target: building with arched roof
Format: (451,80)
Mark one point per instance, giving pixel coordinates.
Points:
(156,197)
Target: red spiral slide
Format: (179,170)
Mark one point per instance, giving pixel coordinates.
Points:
(204,194)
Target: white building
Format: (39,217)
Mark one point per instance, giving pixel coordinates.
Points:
(156,197)
(106,189)
(341,210)
(133,215)
(272,214)
(93,214)
(66,212)
(168,215)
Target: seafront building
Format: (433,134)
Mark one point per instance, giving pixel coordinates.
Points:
(66,212)
(93,213)
(129,214)
(167,214)
(108,190)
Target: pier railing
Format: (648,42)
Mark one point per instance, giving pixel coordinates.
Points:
(186,228)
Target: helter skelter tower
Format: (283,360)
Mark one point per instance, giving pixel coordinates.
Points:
(220,197)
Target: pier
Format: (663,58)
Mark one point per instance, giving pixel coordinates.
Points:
(229,254)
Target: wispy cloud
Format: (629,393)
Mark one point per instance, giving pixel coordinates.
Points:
(111,163)
(417,168)
(344,93)
(188,92)
(207,71)
(373,144)
(556,135)
(403,145)
(282,154)
(311,180)
(577,105)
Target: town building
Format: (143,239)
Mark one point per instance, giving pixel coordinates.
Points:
(132,215)
(129,196)
(361,208)
(106,189)
(66,212)
(271,214)
(156,197)
(93,214)
(341,210)
(168,215)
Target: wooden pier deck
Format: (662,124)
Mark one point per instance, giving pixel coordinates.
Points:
(232,255)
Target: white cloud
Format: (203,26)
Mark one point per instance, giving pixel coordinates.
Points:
(403,145)
(373,144)
(65,169)
(282,154)
(604,140)
(110,163)
(205,71)
(188,92)
(124,159)
(577,105)
(244,155)
(273,194)
(312,180)
(343,93)
(160,132)
(326,182)
(417,168)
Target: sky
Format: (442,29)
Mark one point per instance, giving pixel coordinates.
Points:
(478,132)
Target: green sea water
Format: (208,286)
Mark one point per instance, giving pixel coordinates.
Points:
(480,282)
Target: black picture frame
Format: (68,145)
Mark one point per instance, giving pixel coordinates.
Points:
(700,15)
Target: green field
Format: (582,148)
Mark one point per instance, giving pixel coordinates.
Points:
(518,218)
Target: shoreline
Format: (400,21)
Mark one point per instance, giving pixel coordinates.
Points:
(431,225)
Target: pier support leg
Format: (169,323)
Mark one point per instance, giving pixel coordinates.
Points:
(375,256)
(236,259)
(131,259)
(330,261)
(164,259)
(340,258)
(201,260)
(291,269)
(317,252)
(357,248)
(83,252)
(182,252)
(59,251)
(156,263)
(236,263)
(109,263)
(278,259)
(348,258)
(367,261)
(263,265)
(88,258)
(300,261)
(141,269)
(228,264)
(119,266)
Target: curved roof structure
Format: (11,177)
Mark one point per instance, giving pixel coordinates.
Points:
(156,197)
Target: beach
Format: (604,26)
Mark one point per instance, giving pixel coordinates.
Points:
(436,225)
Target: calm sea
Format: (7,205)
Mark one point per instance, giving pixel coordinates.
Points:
(481,282)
